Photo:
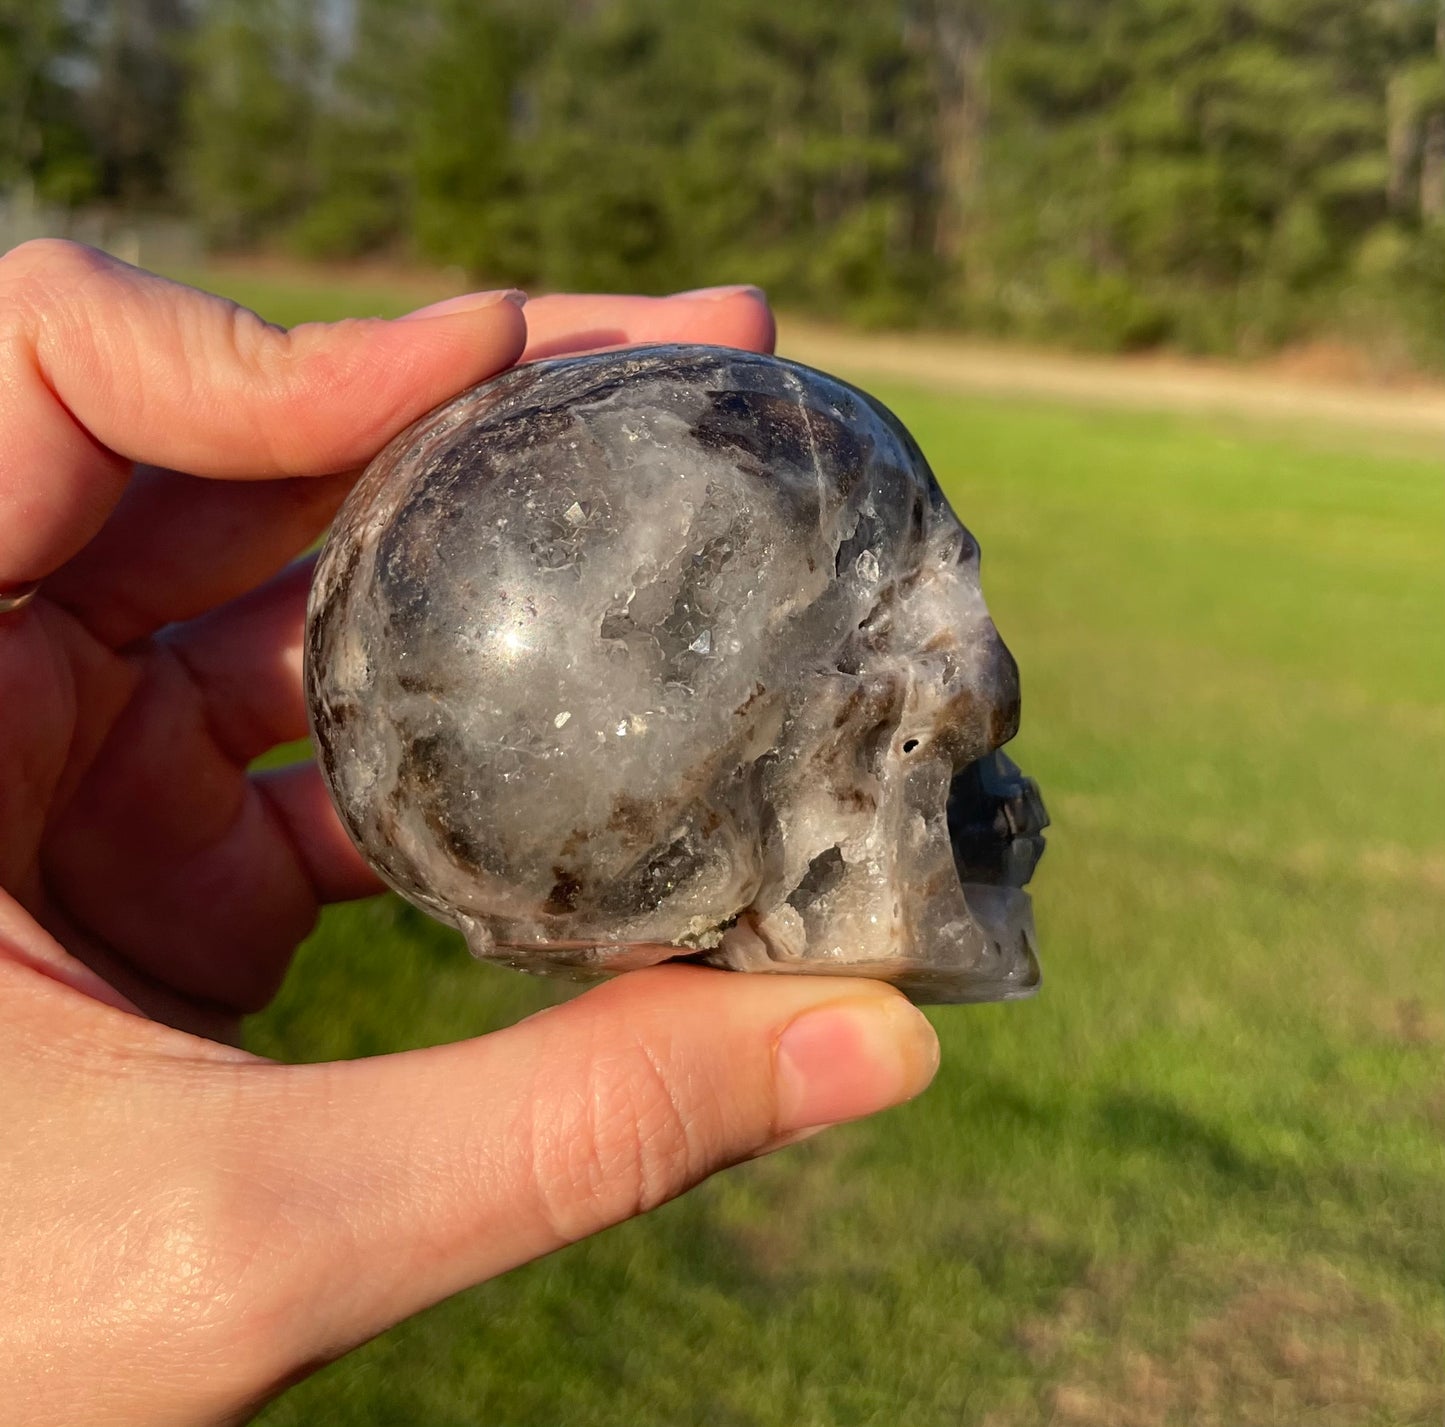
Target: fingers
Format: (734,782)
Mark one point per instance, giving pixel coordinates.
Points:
(166,853)
(408,1177)
(102,365)
(300,804)
(722,316)
(186,873)
(245,660)
(179,545)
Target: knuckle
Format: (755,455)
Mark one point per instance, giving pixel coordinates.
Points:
(228,1267)
(261,350)
(36,273)
(145,1270)
(176,1270)
(290,359)
(52,259)
(622,1145)
(194,1275)
(296,372)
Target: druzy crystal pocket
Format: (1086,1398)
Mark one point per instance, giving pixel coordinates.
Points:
(677,652)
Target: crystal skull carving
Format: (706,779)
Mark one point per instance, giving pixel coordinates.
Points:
(677,652)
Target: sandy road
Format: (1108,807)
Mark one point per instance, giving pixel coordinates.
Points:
(1147,383)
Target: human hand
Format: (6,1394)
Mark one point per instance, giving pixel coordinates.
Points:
(186,1228)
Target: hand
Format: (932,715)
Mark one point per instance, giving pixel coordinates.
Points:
(186,1228)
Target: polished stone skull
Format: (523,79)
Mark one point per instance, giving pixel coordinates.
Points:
(677,651)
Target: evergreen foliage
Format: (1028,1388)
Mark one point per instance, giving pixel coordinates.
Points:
(1220,175)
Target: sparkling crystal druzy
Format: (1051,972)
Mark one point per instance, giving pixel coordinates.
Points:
(677,651)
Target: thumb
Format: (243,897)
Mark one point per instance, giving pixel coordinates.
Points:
(102,365)
(409,1177)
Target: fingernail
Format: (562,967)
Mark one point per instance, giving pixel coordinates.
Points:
(851,1058)
(719,294)
(467,302)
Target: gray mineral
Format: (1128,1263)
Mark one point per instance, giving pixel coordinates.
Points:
(677,652)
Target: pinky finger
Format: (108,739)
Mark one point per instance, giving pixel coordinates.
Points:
(298,798)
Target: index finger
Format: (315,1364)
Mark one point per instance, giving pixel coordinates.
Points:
(736,316)
(102,365)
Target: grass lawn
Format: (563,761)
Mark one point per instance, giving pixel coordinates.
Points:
(1200,1179)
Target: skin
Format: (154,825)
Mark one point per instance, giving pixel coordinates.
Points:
(186,1228)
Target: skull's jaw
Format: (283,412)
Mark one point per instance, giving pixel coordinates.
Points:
(976,944)
(994,960)
(996,820)
(1001,966)
(1007,967)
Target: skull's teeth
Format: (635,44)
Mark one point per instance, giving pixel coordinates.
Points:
(996,818)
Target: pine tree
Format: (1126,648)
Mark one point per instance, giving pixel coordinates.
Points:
(255,66)
(43,149)
(133,104)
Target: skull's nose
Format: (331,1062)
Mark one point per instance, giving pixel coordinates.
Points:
(979,710)
(1007,700)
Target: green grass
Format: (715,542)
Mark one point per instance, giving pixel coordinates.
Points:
(1201,1179)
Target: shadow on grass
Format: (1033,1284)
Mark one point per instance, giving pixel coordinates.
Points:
(1128,1123)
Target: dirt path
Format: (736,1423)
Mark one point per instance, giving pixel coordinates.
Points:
(1170,384)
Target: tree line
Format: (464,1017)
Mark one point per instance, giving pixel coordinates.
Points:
(1219,175)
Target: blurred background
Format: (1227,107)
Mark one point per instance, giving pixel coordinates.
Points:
(1221,175)
(1200,1179)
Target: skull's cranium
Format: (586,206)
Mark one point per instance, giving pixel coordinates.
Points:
(677,651)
